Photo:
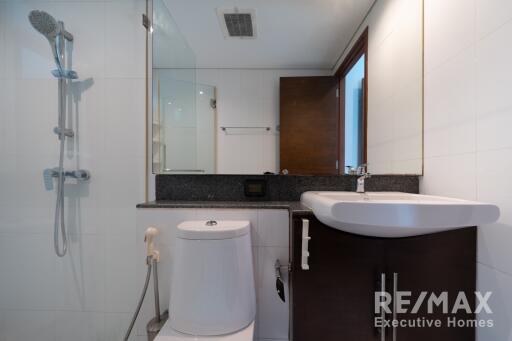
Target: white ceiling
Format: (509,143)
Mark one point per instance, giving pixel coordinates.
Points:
(290,33)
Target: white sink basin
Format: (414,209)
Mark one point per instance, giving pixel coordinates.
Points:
(395,214)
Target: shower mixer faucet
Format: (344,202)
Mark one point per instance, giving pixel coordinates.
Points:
(50,173)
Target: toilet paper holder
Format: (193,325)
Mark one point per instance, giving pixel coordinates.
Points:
(279,279)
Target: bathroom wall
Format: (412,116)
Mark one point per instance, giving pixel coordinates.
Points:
(468,115)
(394,86)
(270,241)
(90,294)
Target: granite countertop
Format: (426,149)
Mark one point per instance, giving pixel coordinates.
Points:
(293,206)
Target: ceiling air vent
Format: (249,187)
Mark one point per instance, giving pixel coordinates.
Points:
(237,23)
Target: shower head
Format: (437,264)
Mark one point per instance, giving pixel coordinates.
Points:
(54,31)
(45,24)
(48,26)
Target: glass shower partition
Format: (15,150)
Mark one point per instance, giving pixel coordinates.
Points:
(183,139)
(184,125)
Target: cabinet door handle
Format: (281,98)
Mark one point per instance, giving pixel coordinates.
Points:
(305,244)
(395,289)
(382,312)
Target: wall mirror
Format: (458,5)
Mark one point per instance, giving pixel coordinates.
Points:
(295,87)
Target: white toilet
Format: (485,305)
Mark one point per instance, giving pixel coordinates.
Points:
(212,284)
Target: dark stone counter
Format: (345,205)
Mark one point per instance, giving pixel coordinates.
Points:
(295,207)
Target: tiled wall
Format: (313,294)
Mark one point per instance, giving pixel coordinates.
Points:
(90,294)
(270,241)
(394,86)
(468,117)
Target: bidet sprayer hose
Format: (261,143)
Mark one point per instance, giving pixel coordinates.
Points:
(141,300)
(152,258)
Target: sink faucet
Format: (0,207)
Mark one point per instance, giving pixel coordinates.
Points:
(363,175)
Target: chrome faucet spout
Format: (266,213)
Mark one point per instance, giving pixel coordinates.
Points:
(360,182)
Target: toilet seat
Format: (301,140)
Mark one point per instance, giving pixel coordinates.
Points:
(169,334)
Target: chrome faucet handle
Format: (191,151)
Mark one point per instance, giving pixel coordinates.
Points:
(48,175)
(79,174)
(362,169)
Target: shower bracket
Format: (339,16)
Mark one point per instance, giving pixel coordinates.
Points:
(65,74)
(63,132)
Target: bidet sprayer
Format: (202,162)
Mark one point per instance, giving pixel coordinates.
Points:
(149,236)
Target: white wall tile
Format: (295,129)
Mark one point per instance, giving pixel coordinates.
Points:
(207,76)
(3,30)
(273,228)
(80,326)
(493,186)
(125,49)
(116,178)
(124,117)
(116,325)
(240,153)
(493,129)
(8,171)
(494,70)
(16,325)
(493,168)
(450,102)
(120,276)
(88,119)
(490,15)
(28,270)
(500,303)
(382,81)
(481,172)
(494,246)
(7,117)
(452,176)
(80,276)
(271,153)
(41,112)
(444,38)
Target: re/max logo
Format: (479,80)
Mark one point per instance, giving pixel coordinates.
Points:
(403,303)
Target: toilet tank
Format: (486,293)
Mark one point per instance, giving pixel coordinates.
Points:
(212,283)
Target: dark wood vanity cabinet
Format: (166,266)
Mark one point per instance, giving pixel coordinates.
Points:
(334,299)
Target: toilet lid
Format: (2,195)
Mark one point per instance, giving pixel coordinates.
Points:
(213,229)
